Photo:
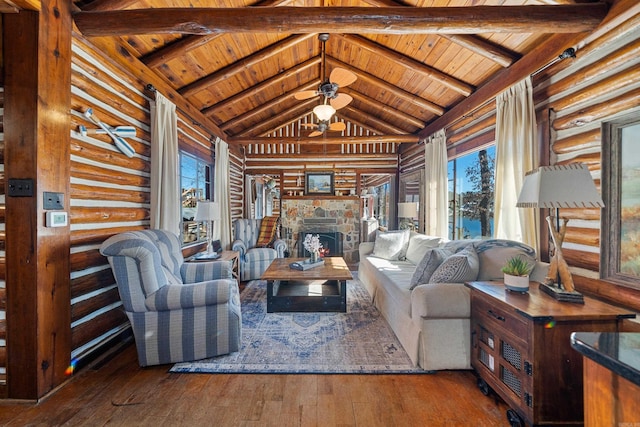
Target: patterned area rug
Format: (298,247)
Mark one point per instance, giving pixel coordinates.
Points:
(359,341)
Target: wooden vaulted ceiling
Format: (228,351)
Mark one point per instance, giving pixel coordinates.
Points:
(240,62)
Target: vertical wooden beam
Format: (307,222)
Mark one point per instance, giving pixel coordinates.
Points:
(37,60)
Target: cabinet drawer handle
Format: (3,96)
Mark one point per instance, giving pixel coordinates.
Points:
(496,316)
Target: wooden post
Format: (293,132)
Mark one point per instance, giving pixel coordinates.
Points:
(37,62)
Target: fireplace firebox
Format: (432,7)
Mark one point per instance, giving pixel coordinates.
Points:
(331,243)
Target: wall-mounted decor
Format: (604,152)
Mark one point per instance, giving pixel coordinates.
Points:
(318,183)
(620,235)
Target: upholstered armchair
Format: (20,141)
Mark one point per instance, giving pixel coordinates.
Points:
(257,249)
(178,311)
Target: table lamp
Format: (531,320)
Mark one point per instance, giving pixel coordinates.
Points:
(407,211)
(208,211)
(559,186)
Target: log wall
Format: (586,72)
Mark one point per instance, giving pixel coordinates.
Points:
(579,95)
(110,193)
(3,288)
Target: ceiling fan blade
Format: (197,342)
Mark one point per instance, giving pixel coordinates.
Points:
(315,133)
(305,94)
(308,125)
(337,126)
(342,77)
(341,100)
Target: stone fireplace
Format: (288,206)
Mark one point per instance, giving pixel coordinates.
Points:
(336,219)
(332,242)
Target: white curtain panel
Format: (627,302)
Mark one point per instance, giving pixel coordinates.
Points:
(222,227)
(165,173)
(436,213)
(516,154)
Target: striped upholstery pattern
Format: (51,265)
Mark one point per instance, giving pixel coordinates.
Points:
(178,311)
(254,260)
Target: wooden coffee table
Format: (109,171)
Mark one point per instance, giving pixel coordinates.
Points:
(322,288)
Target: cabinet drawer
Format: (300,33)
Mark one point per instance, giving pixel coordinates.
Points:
(497,318)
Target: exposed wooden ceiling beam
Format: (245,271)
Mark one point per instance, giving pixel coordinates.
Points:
(385,86)
(189,42)
(373,139)
(356,20)
(383,108)
(260,87)
(366,118)
(376,49)
(264,107)
(483,47)
(14,6)
(243,64)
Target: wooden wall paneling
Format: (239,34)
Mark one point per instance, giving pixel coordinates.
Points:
(36,124)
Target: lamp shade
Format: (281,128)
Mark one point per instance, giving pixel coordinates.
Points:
(559,186)
(324,112)
(407,210)
(207,211)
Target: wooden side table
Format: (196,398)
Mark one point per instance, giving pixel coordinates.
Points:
(521,349)
(231,256)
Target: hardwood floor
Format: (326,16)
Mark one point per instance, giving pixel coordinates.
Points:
(119,392)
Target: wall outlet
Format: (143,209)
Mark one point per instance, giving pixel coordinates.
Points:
(52,201)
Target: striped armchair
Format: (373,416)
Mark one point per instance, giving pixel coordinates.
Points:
(254,260)
(178,311)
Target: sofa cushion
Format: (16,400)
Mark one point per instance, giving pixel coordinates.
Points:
(419,244)
(460,267)
(391,245)
(494,253)
(428,265)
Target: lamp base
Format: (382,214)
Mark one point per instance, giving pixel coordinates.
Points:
(561,294)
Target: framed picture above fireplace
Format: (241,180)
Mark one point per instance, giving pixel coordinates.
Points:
(318,183)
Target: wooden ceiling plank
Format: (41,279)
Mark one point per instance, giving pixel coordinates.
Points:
(243,64)
(482,47)
(260,87)
(399,115)
(409,139)
(277,120)
(377,49)
(105,5)
(176,49)
(250,114)
(572,18)
(364,117)
(383,85)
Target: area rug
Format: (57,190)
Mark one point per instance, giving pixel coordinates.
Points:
(357,342)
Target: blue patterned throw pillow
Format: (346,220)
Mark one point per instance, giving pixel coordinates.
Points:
(460,267)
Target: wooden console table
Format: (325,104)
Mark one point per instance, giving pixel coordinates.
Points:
(521,349)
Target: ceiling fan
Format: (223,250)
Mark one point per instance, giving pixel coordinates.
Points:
(323,126)
(329,87)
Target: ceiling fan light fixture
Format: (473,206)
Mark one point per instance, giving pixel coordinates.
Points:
(324,112)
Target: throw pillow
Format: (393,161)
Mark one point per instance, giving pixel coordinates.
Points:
(419,244)
(460,267)
(427,265)
(391,245)
(268,228)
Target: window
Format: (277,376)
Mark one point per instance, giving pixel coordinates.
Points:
(196,184)
(620,250)
(471,185)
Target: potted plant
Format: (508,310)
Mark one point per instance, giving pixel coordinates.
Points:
(516,274)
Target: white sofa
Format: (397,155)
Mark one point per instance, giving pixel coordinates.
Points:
(432,320)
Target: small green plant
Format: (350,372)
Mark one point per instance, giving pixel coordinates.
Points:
(516,266)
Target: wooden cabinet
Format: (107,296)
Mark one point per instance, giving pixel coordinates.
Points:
(521,350)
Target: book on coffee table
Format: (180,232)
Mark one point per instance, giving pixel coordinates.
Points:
(306,264)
